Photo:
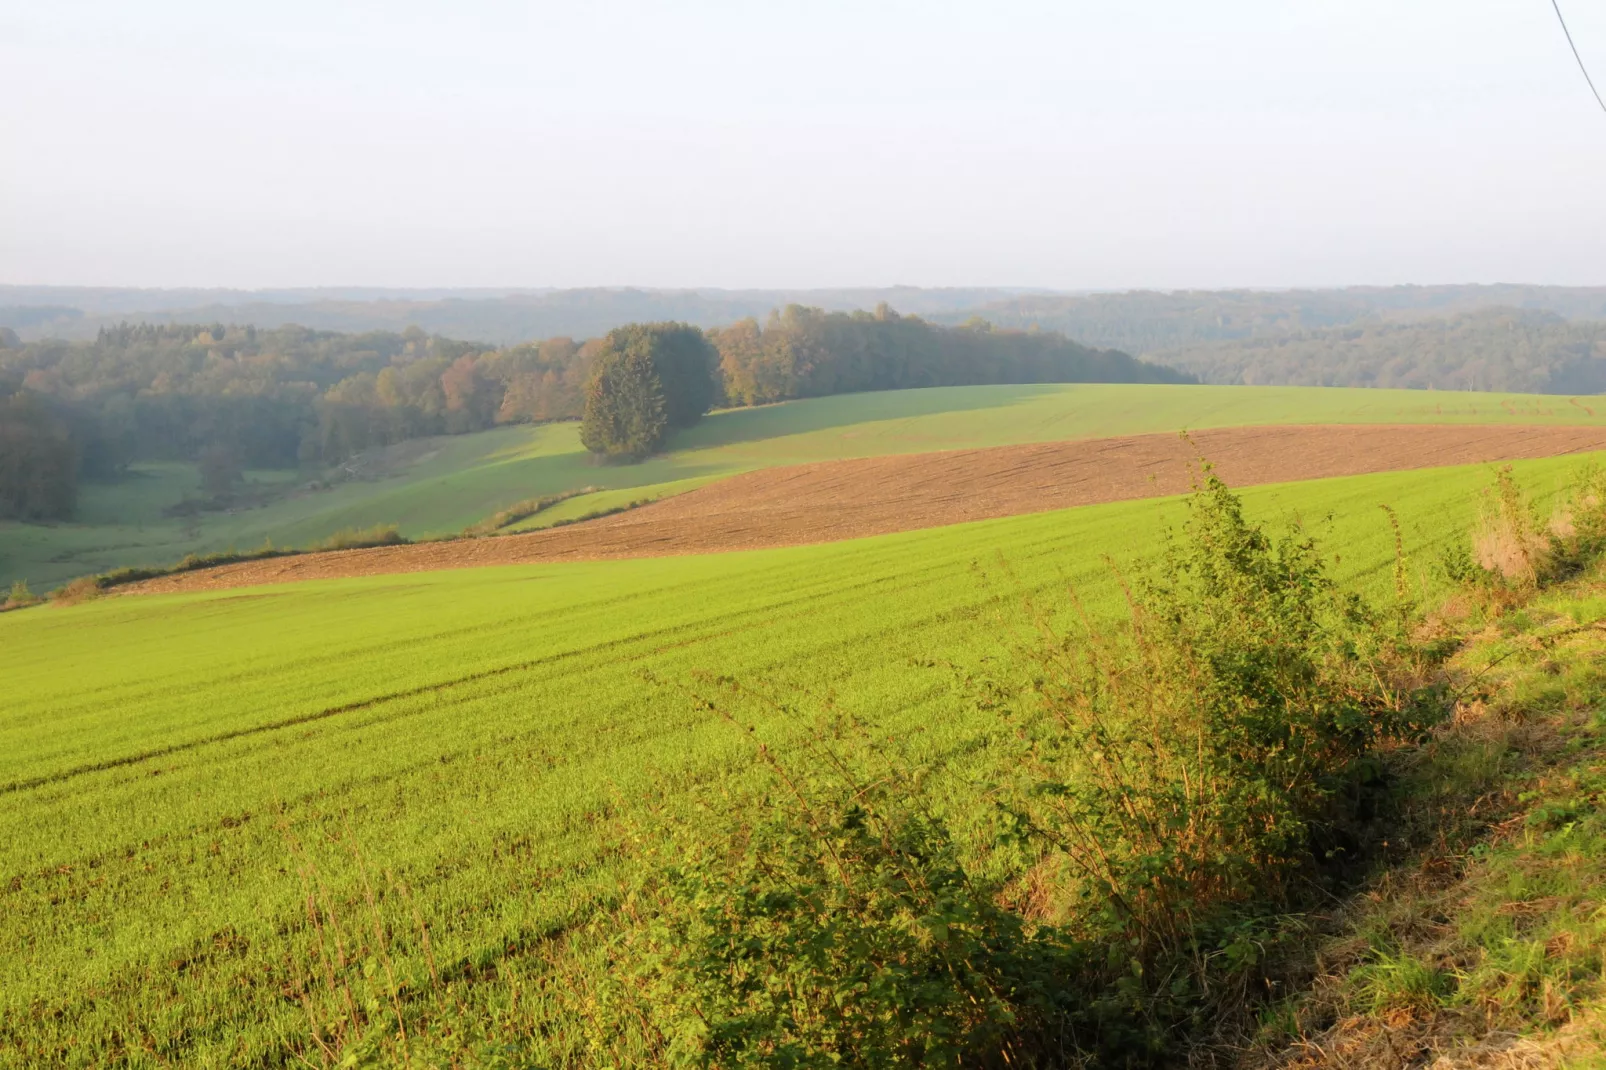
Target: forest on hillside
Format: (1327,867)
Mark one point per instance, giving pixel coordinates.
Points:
(235,397)
(1502,349)
(1151,322)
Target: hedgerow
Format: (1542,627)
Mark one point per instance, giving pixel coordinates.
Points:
(346,539)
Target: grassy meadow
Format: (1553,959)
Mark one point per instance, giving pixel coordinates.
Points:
(451,765)
(442,486)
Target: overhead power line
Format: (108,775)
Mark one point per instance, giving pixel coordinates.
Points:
(1557,5)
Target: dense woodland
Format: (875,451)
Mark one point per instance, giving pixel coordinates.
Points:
(1493,349)
(1150,322)
(804,352)
(240,397)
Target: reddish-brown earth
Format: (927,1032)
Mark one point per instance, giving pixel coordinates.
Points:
(849,499)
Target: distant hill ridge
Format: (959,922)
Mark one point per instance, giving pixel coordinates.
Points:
(491,317)
(1144,322)
(1137,322)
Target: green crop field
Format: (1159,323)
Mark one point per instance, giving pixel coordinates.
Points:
(445,485)
(181,773)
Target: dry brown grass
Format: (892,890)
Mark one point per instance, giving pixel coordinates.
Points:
(1506,540)
(80,590)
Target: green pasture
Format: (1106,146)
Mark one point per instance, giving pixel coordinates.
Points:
(451,483)
(179,774)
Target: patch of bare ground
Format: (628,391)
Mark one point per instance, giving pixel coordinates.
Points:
(834,500)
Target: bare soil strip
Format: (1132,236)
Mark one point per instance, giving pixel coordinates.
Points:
(834,500)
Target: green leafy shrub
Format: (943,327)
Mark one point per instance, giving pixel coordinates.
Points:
(1215,751)
(842,930)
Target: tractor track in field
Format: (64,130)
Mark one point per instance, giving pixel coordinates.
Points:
(833,500)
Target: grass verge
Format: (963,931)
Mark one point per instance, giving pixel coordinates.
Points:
(1484,943)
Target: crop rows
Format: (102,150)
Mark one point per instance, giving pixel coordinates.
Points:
(202,791)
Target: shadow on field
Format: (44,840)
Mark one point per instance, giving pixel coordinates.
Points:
(844,410)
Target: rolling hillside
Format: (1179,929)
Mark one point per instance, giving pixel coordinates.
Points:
(463,763)
(443,485)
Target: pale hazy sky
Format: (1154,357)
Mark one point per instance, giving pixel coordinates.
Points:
(1056,143)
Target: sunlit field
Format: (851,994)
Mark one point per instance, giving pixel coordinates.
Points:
(474,748)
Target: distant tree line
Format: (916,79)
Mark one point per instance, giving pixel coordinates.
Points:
(1137,321)
(1502,349)
(231,397)
(804,352)
(1152,324)
(650,380)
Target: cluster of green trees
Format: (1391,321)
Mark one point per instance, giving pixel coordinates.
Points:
(237,397)
(805,352)
(651,380)
(1152,322)
(1502,349)
(234,397)
(648,380)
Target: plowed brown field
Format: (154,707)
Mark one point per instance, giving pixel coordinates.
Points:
(849,499)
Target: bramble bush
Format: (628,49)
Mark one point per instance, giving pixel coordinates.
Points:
(1205,755)
(840,929)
